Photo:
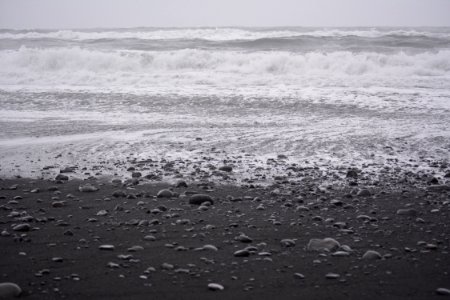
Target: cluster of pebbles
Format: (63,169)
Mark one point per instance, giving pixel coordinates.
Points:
(298,235)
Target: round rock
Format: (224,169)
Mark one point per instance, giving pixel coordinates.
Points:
(164,194)
(9,290)
(326,244)
(198,199)
(215,287)
(371,255)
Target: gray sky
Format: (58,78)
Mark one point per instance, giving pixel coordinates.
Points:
(176,13)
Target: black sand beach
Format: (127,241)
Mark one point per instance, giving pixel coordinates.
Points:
(166,248)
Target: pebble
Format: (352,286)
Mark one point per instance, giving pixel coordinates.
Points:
(215,287)
(287,243)
(164,194)
(326,244)
(210,247)
(299,275)
(243,239)
(410,212)
(332,276)
(62,177)
(107,247)
(443,291)
(226,168)
(9,290)
(364,193)
(242,253)
(87,188)
(22,227)
(119,194)
(371,255)
(198,199)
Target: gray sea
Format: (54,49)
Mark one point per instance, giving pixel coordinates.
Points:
(373,97)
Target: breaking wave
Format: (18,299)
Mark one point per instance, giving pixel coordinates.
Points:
(259,63)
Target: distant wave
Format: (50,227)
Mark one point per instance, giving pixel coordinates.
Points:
(219,34)
(70,61)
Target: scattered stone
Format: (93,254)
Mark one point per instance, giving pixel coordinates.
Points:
(102,212)
(107,247)
(332,276)
(198,199)
(215,287)
(62,177)
(299,276)
(364,193)
(210,247)
(243,239)
(410,212)
(119,194)
(164,194)
(287,243)
(181,184)
(443,292)
(87,188)
(136,174)
(22,227)
(226,168)
(352,174)
(371,255)
(9,290)
(326,244)
(242,253)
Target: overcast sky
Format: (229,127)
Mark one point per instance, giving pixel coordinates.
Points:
(176,13)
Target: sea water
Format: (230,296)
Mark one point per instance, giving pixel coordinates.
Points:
(335,96)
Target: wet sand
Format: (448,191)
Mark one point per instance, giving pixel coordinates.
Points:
(58,255)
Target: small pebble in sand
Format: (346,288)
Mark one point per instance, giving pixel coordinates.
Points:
(106,247)
(198,199)
(371,255)
(215,287)
(287,242)
(164,194)
(87,188)
(22,227)
(332,276)
(410,212)
(443,291)
(326,244)
(9,290)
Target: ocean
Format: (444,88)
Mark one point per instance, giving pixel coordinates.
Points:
(347,97)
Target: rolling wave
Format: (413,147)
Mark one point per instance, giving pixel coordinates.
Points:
(76,60)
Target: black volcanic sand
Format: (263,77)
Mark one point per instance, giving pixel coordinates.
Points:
(58,256)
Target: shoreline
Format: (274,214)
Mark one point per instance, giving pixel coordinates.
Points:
(160,244)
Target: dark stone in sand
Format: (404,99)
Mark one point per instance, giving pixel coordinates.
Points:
(242,253)
(62,177)
(87,188)
(447,175)
(443,292)
(410,212)
(364,193)
(433,180)
(67,170)
(22,227)
(181,183)
(198,199)
(9,290)
(164,194)
(226,168)
(352,174)
(119,194)
(136,174)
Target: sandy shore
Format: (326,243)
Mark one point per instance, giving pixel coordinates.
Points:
(166,248)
